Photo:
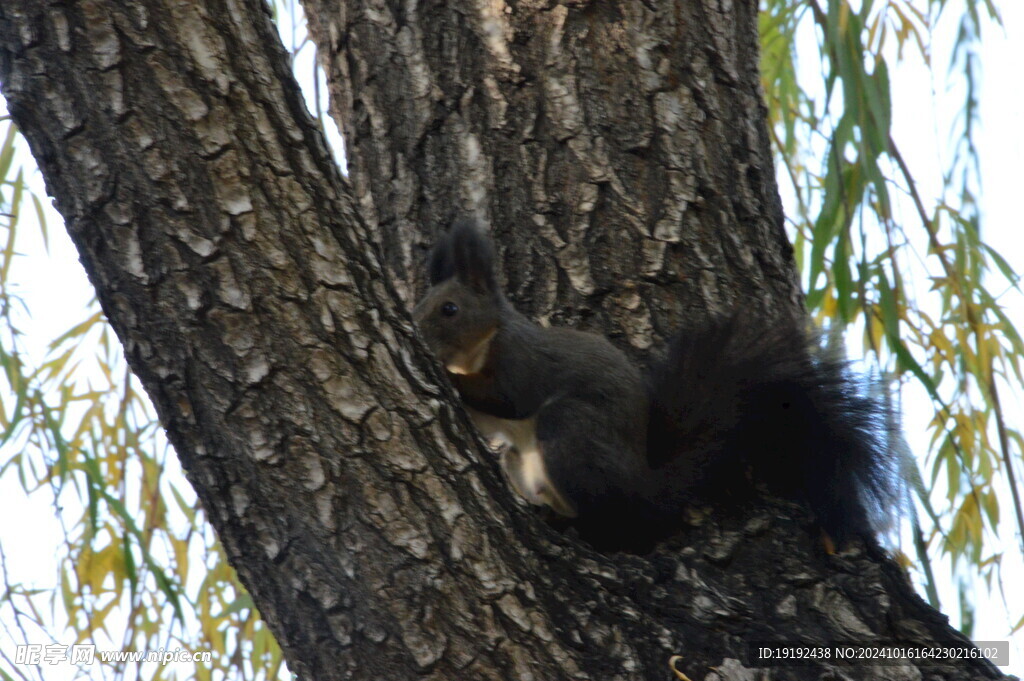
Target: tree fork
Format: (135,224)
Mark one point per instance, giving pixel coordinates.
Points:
(242,275)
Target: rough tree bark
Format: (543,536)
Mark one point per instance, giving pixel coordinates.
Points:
(619,150)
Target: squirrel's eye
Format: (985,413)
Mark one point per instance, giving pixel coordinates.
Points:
(449,309)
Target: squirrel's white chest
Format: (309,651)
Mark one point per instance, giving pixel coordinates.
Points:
(523,459)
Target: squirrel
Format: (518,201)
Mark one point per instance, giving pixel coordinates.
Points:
(736,402)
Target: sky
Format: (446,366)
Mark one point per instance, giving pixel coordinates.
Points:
(56,290)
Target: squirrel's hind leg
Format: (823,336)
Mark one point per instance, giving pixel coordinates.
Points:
(594,460)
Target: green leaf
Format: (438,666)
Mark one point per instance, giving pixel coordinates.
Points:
(129,565)
(7,151)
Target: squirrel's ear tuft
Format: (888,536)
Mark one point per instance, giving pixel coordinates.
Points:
(472,256)
(441,264)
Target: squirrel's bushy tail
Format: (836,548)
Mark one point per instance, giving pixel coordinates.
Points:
(746,396)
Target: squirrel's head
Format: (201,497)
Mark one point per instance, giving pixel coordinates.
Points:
(459,315)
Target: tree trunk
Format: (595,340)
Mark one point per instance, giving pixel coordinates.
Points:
(620,152)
